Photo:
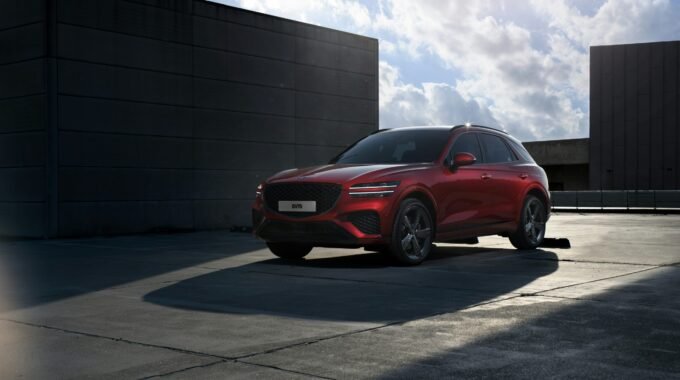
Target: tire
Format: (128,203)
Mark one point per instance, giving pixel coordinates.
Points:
(412,233)
(531,229)
(289,251)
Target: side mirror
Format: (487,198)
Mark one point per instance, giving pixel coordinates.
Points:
(463,159)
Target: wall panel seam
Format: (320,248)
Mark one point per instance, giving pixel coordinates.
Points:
(219,50)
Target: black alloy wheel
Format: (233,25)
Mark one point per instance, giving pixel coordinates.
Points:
(413,233)
(531,229)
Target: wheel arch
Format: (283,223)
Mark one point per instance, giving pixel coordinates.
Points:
(539,193)
(423,196)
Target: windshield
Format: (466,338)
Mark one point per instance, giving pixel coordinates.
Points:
(396,147)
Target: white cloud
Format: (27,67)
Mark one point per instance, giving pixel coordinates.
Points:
(615,22)
(387,47)
(525,88)
(404,104)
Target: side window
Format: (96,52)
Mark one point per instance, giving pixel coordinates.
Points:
(519,149)
(495,149)
(467,143)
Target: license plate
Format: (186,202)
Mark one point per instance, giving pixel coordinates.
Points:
(297,206)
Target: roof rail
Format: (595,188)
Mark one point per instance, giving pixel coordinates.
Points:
(478,126)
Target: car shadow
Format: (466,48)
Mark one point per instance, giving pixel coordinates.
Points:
(359,287)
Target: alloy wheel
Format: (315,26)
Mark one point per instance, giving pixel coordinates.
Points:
(534,221)
(416,232)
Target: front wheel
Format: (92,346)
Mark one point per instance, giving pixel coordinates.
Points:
(531,229)
(412,233)
(290,251)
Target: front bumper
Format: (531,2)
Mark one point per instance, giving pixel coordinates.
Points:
(305,232)
(351,222)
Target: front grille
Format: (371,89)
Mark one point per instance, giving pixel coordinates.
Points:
(367,222)
(325,195)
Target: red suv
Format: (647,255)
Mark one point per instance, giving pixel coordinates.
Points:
(400,190)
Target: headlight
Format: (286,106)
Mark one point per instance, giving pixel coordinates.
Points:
(258,191)
(373,190)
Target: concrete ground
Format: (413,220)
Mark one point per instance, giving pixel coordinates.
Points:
(219,305)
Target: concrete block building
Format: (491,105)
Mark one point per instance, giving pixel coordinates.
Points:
(126,116)
(635,116)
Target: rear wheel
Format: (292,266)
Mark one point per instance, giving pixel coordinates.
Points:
(412,233)
(531,229)
(290,251)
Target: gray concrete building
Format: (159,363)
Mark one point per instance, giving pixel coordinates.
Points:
(565,161)
(125,116)
(634,113)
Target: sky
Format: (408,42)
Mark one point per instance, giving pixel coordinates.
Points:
(519,65)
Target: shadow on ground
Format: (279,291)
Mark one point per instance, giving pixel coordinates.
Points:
(358,287)
(628,330)
(38,272)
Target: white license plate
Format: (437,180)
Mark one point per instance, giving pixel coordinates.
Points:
(297,206)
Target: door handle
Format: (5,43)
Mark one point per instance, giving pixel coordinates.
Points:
(486,176)
(524,176)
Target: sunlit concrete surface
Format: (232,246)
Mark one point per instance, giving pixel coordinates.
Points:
(218,304)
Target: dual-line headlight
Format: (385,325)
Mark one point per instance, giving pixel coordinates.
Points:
(373,190)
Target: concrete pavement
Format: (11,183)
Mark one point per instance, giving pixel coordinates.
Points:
(219,305)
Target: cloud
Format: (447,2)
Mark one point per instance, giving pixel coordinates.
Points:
(615,22)
(404,104)
(387,47)
(524,87)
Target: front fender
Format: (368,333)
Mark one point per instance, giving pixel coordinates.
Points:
(414,191)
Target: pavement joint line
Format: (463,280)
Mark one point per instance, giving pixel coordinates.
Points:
(220,358)
(183,370)
(360,331)
(622,304)
(588,282)
(206,365)
(594,262)
(122,340)
(284,369)
(566,298)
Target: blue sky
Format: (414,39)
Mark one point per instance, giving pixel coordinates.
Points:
(521,65)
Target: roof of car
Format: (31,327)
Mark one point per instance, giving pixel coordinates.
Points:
(441,127)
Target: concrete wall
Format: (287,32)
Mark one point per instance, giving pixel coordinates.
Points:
(23,117)
(567,177)
(169,113)
(559,152)
(564,161)
(634,106)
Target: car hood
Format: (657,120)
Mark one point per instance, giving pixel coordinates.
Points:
(342,173)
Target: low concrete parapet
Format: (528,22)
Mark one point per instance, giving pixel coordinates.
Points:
(660,200)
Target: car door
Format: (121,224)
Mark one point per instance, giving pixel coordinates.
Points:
(461,199)
(500,177)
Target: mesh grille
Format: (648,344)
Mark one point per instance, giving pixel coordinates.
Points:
(367,222)
(325,195)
